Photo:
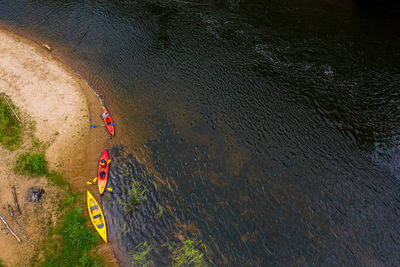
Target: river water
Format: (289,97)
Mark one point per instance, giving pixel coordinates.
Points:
(269,129)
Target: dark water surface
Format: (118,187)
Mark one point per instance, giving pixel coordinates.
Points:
(270,129)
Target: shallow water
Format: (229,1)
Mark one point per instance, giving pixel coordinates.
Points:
(269,129)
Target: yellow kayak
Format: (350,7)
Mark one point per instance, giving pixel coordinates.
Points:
(96,216)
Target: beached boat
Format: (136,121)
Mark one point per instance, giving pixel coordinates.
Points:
(102,175)
(96,216)
(108,121)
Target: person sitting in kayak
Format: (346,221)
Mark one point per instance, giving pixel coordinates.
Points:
(103,163)
(104,115)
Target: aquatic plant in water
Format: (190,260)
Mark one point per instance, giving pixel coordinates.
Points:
(189,253)
(136,194)
(140,257)
(160,210)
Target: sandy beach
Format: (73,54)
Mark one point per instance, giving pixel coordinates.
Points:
(63,106)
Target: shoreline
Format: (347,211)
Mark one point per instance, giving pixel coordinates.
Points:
(63,106)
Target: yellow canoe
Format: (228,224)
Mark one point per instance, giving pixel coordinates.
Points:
(96,216)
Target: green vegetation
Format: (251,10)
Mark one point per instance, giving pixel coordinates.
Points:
(11,132)
(70,243)
(140,255)
(189,253)
(56,178)
(136,194)
(32,164)
(160,210)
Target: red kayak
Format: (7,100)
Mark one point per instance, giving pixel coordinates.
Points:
(102,175)
(108,121)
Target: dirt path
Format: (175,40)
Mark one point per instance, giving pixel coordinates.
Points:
(61,103)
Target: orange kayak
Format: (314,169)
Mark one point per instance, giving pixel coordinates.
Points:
(102,175)
(108,121)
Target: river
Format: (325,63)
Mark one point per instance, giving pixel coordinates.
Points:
(269,129)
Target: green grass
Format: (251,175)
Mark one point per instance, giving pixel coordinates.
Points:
(56,178)
(32,164)
(189,253)
(11,133)
(71,243)
(140,257)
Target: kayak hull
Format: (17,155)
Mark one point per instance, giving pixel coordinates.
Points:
(96,216)
(102,174)
(107,121)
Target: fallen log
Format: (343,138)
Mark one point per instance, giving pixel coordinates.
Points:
(16,200)
(9,229)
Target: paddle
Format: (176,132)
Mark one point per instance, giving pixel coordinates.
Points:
(94,180)
(94,126)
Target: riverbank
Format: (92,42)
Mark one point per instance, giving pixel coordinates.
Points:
(61,104)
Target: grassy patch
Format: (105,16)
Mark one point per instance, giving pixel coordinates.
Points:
(140,257)
(189,253)
(71,242)
(32,164)
(11,132)
(56,178)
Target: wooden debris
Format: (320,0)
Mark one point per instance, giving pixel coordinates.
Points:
(46,46)
(10,209)
(16,200)
(9,229)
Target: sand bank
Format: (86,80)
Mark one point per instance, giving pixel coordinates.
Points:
(61,103)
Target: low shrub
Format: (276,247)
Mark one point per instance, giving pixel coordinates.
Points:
(31,163)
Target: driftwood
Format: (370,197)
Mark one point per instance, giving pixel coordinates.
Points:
(46,46)
(16,200)
(10,209)
(9,229)
(5,98)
